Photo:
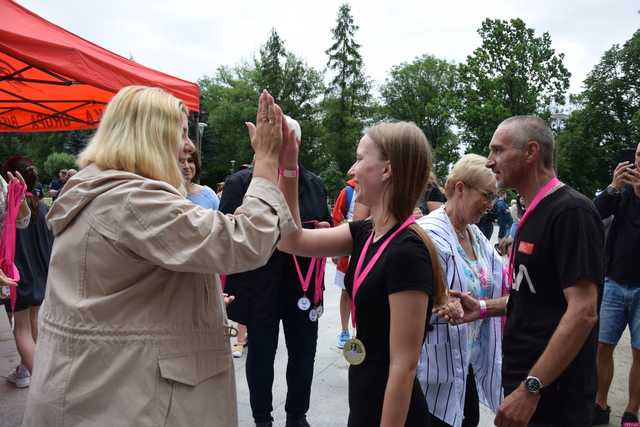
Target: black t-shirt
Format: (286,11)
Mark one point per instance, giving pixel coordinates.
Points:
(404,265)
(623,242)
(560,243)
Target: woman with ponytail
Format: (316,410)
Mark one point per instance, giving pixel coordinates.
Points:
(394,278)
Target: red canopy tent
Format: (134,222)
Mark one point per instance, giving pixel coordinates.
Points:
(53,80)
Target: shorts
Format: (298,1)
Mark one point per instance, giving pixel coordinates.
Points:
(620,307)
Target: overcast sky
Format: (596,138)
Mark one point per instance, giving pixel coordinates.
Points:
(191,38)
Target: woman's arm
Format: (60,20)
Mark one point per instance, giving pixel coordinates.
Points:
(408,310)
(329,242)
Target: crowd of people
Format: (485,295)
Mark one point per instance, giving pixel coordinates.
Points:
(143,268)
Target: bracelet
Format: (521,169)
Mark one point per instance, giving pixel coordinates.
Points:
(483,309)
(288,173)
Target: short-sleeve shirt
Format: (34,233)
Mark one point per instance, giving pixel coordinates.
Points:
(560,244)
(404,265)
(206,198)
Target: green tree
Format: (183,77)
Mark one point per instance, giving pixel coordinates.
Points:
(347,101)
(57,161)
(297,88)
(513,72)
(424,92)
(230,98)
(607,119)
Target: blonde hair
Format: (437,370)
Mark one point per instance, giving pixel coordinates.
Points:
(408,151)
(140,132)
(470,169)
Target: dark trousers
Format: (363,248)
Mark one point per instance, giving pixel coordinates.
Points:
(301,336)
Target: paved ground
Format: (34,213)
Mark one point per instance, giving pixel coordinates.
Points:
(329,395)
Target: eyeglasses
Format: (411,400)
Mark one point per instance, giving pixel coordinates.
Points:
(489,196)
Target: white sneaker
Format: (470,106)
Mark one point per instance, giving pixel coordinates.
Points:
(21,377)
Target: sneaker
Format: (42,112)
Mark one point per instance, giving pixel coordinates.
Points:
(343,338)
(237,350)
(21,377)
(629,419)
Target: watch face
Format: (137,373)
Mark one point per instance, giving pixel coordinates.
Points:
(532,384)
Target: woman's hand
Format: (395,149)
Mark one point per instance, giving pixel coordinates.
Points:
(290,148)
(267,140)
(6,281)
(452,311)
(17,177)
(470,307)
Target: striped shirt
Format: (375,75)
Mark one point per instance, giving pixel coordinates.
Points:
(446,356)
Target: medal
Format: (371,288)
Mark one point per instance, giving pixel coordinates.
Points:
(354,351)
(304,304)
(313,315)
(320,310)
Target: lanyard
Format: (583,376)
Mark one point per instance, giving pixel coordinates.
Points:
(321,263)
(305,280)
(359,278)
(541,194)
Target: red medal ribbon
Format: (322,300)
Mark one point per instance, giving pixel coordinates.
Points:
(358,278)
(541,194)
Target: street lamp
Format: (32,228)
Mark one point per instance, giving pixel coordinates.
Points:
(233,166)
(557,121)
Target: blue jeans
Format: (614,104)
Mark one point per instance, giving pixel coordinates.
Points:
(620,307)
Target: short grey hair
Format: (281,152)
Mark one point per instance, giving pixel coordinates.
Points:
(293,124)
(526,128)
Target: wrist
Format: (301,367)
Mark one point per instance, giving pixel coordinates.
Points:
(288,172)
(484,313)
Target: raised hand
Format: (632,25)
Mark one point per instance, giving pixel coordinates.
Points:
(267,135)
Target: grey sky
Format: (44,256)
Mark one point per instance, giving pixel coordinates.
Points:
(191,38)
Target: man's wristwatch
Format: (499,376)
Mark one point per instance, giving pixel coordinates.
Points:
(533,384)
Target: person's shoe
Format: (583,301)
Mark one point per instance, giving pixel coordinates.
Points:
(629,419)
(343,338)
(21,377)
(297,422)
(237,350)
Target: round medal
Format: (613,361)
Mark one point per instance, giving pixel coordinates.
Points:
(320,310)
(354,351)
(313,315)
(304,304)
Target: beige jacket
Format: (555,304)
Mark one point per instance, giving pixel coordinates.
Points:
(133,330)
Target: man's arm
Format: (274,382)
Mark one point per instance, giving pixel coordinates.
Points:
(575,326)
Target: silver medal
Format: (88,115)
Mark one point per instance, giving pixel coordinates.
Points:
(304,304)
(313,315)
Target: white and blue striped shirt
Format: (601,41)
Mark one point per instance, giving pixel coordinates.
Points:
(446,356)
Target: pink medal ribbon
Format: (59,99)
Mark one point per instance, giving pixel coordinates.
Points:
(321,263)
(541,194)
(358,277)
(305,281)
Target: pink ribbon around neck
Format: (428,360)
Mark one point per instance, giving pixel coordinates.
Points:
(541,194)
(317,263)
(358,277)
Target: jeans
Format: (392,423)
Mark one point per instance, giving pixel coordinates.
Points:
(620,307)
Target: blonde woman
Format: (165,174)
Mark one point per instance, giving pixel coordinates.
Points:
(133,327)
(394,278)
(460,364)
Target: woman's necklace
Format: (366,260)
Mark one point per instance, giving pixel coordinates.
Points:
(462,235)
